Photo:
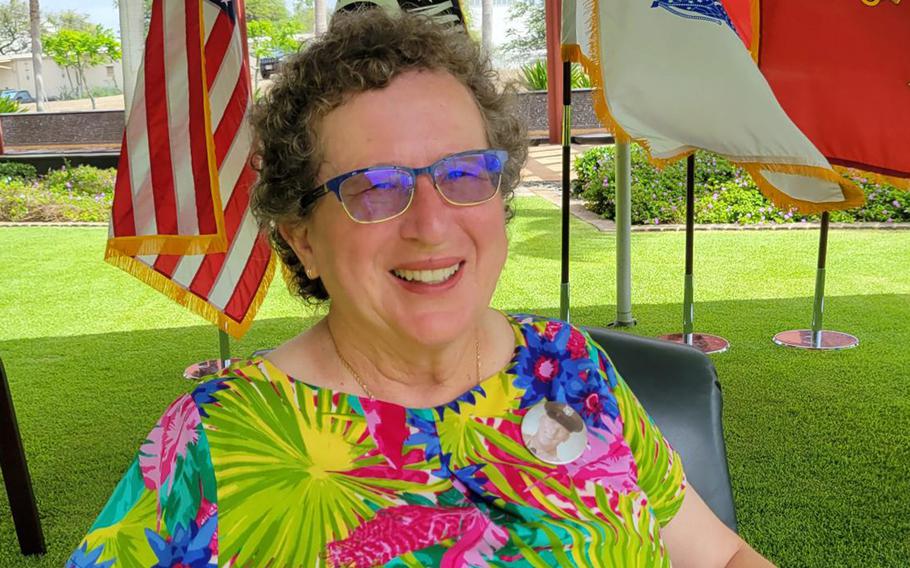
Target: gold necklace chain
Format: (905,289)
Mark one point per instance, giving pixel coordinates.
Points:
(359,380)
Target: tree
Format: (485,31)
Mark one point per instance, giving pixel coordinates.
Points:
(268,39)
(146,10)
(14,27)
(78,50)
(34,19)
(528,41)
(486,26)
(320,17)
(68,20)
(266,10)
(304,13)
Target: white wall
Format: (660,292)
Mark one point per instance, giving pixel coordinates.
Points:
(16,73)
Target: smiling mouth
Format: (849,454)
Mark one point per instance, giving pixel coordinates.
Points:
(437,276)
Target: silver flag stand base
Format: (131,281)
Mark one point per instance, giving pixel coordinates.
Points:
(824,340)
(704,342)
(205,368)
(211,366)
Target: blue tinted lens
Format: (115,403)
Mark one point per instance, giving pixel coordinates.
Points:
(377,194)
(469,178)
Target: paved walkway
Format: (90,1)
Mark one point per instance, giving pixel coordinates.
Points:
(545,163)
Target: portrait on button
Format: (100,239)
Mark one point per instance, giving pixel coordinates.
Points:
(554,432)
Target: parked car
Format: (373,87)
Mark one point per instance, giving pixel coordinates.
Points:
(270,65)
(21,96)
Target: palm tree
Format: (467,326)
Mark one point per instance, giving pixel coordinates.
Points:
(486,26)
(321,17)
(34,18)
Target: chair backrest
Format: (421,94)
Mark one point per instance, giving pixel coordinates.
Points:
(678,386)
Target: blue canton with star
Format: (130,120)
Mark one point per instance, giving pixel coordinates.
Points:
(226,6)
(705,10)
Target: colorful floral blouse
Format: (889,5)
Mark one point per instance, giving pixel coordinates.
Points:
(256,468)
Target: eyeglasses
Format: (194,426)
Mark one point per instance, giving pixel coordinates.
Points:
(380,193)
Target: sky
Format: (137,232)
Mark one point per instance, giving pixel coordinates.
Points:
(102,12)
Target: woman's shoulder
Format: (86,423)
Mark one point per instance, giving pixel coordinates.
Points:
(573,340)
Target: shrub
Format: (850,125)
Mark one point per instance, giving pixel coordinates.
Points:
(10,105)
(17,170)
(82,180)
(580,79)
(884,203)
(724,193)
(24,201)
(737,202)
(83,193)
(534,76)
(105,91)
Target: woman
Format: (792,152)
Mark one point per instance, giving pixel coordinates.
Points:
(391,432)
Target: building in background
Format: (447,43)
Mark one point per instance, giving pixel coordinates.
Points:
(16,73)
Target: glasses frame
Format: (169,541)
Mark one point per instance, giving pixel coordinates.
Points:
(334,185)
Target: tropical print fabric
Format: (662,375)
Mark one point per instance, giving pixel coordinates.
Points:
(256,468)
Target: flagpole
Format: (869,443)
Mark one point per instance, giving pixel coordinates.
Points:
(208,367)
(224,347)
(566,164)
(623,165)
(701,341)
(815,338)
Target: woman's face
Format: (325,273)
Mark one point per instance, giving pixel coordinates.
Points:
(418,119)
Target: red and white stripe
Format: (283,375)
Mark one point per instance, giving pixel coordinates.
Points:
(165,158)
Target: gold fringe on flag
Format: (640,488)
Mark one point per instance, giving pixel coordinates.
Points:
(187,299)
(853,195)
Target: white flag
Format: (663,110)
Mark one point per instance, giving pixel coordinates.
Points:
(674,76)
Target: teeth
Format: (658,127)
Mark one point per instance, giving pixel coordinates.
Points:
(427,276)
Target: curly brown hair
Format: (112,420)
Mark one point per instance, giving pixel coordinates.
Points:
(362,50)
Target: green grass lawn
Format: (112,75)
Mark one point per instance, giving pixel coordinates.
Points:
(818,443)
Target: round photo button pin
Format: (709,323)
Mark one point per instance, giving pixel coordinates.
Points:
(554,432)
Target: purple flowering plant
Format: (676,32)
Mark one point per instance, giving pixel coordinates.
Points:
(724,193)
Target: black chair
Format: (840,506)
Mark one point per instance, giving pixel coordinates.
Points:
(678,386)
(15,476)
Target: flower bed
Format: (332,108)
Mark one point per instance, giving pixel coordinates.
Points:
(83,193)
(724,193)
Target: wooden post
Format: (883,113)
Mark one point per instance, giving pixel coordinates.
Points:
(554,70)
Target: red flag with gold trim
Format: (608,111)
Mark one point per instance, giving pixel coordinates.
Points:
(841,71)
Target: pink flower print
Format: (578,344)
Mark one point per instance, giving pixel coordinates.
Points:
(388,426)
(206,511)
(481,539)
(607,460)
(552,329)
(614,503)
(398,530)
(168,439)
(592,404)
(545,368)
(577,345)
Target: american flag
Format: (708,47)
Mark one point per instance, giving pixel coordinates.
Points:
(181,220)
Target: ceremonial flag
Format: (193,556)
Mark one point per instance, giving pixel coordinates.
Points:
(181,220)
(442,11)
(576,24)
(675,76)
(841,70)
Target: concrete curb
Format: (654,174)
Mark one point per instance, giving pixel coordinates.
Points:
(52,224)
